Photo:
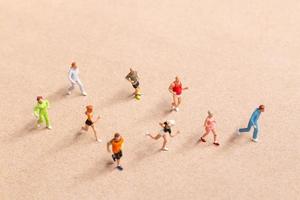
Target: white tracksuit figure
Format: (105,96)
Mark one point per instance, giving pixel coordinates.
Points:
(74,79)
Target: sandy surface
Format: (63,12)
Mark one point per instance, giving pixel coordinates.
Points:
(234,55)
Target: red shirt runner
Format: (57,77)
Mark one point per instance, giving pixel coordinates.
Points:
(177,88)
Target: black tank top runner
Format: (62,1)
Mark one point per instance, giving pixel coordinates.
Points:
(167,128)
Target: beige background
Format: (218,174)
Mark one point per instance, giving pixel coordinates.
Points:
(234,55)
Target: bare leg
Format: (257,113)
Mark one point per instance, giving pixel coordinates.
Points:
(174,103)
(215,138)
(179,101)
(164,143)
(118,165)
(175,100)
(93,127)
(155,137)
(203,136)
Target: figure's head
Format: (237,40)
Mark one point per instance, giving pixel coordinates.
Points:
(261,108)
(117,136)
(131,70)
(89,108)
(165,125)
(210,114)
(177,79)
(73,65)
(39,99)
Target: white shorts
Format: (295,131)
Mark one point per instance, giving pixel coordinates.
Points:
(162,133)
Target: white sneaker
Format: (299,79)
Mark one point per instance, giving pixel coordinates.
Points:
(176,109)
(99,140)
(69,92)
(49,127)
(254,140)
(165,149)
(84,94)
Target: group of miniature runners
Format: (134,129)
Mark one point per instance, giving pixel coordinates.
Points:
(116,143)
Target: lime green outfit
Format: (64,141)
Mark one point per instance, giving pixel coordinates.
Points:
(41,111)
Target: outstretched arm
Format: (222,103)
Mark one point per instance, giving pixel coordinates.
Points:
(177,132)
(108,145)
(122,144)
(97,119)
(128,77)
(161,124)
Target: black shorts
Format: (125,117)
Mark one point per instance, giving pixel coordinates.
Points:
(118,155)
(88,122)
(136,85)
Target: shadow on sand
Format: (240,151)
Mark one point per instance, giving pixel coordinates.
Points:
(119,97)
(159,112)
(58,95)
(234,140)
(100,168)
(28,129)
(145,153)
(191,143)
(69,141)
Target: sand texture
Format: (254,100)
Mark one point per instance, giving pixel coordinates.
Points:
(234,55)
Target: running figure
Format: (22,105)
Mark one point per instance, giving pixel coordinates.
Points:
(133,78)
(117,144)
(41,112)
(74,79)
(210,126)
(89,122)
(166,128)
(176,89)
(253,123)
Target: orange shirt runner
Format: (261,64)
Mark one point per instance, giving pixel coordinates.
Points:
(117,145)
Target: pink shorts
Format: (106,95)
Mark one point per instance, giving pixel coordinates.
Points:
(208,129)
